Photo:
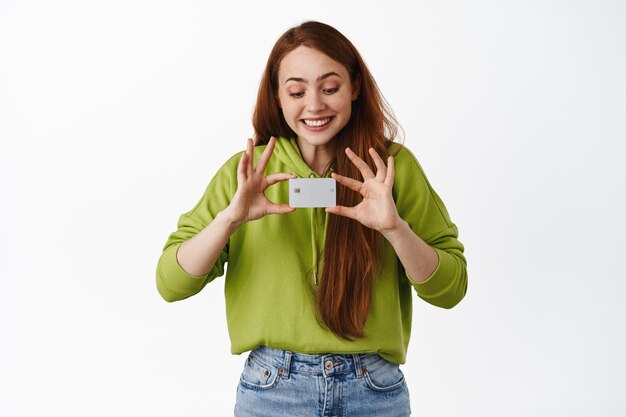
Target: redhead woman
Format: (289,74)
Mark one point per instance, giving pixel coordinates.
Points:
(319,297)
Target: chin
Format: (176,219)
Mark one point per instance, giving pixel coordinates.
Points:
(316,140)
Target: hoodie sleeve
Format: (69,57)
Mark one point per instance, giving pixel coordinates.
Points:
(172,281)
(420,206)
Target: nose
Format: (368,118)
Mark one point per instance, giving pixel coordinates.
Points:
(315,102)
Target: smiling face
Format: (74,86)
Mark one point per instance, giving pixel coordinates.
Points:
(315,94)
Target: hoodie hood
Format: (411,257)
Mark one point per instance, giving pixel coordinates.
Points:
(287,151)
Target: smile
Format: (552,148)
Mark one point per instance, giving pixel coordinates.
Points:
(316,123)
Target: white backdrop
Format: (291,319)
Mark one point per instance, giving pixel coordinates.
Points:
(114,115)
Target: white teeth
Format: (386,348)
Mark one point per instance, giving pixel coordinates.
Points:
(316,123)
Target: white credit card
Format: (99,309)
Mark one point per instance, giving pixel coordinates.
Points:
(312,192)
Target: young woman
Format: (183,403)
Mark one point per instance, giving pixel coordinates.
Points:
(320,297)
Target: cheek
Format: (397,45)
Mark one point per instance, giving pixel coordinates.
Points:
(290,115)
(288,106)
(343,102)
(290,112)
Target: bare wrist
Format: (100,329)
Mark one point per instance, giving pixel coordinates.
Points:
(394,231)
(231,221)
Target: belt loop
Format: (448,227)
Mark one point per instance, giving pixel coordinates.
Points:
(357,364)
(284,371)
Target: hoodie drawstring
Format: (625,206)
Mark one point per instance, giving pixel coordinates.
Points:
(287,152)
(314,233)
(314,239)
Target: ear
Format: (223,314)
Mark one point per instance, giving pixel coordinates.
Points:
(356,87)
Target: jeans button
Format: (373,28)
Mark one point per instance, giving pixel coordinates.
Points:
(328,365)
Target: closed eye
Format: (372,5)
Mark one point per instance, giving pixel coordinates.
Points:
(326,91)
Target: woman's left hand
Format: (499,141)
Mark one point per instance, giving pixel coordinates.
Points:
(377,210)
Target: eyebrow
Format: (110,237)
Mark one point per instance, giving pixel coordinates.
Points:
(302,80)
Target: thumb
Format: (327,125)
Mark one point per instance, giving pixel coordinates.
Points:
(280,209)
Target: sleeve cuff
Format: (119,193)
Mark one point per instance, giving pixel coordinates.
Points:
(174,277)
(440,280)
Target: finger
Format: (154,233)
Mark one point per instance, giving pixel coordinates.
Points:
(352,184)
(274,178)
(279,209)
(342,211)
(241,168)
(265,157)
(360,164)
(391,171)
(250,151)
(381,169)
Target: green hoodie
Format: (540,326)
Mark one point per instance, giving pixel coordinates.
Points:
(273,263)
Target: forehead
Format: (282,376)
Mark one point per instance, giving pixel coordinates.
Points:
(308,63)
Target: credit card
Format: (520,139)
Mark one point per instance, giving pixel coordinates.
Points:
(313,192)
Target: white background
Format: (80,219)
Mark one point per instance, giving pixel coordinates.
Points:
(114,116)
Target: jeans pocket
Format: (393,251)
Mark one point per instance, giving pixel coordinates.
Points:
(383,376)
(258,375)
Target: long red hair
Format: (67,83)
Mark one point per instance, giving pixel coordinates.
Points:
(343,296)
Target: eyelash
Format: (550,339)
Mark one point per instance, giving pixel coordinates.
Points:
(327,90)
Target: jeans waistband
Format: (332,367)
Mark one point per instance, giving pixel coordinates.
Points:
(326,364)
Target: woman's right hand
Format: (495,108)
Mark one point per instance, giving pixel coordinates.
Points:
(250,202)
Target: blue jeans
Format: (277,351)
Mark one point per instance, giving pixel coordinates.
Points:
(282,383)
